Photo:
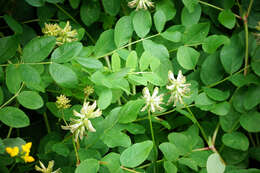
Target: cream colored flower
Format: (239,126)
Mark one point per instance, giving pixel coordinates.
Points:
(140,4)
(152,102)
(43,169)
(62,102)
(178,87)
(82,123)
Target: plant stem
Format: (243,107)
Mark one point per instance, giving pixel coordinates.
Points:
(74,20)
(39,63)
(9,132)
(246,47)
(148,164)
(129,170)
(108,62)
(46,122)
(76,151)
(154,144)
(252,139)
(249,7)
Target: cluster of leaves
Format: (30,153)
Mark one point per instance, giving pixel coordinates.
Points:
(118,52)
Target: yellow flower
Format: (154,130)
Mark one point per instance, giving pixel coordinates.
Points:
(12,151)
(62,102)
(26,150)
(28,159)
(27,147)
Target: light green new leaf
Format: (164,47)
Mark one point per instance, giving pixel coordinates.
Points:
(142,23)
(190,4)
(250,121)
(105,43)
(115,138)
(188,19)
(30,99)
(111,7)
(215,164)
(136,154)
(63,75)
(66,52)
(236,140)
(123,31)
(187,57)
(89,166)
(38,49)
(115,62)
(14,117)
(91,63)
(159,20)
(131,61)
(227,18)
(212,42)
(156,50)
(174,33)
(105,98)
(169,167)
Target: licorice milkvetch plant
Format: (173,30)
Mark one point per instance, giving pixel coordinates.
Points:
(129,86)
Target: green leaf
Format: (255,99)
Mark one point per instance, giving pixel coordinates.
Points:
(232,55)
(159,20)
(214,164)
(2,147)
(115,62)
(255,66)
(13,78)
(137,80)
(111,7)
(213,42)
(187,57)
(170,151)
(168,8)
(227,18)
(236,140)
(123,31)
(1,96)
(216,94)
(136,154)
(63,75)
(131,61)
(250,121)
(36,3)
(91,63)
(13,24)
(204,102)
(212,66)
(115,138)
(142,23)
(189,162)
(61,149)
(169,167)
(112,161)
(190,4)
(38,49)
(74,3)
(89,12)
(29,74)
(158,51)
(88,154)
(105,43)
(145,60)
(66,52)
(252,97)
(188,19)
(174,33)
(14,117)
(238,99)
(181,142)
(229,121)
(89,166)
(8,47)
(130,110)
(30,99)
(196,33)
(105,98)
(221,108)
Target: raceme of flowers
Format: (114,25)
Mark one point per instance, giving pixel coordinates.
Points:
(24,154)
(140,4)
(49,169)
(82,123)
(62,102)
(178,89)
(63,35)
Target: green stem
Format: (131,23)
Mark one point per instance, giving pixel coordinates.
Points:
(108,62)
(249,7)
(76,151)
(46,122)
(246,47)
(154,144)
(129,170)
(74,20)
(39,63)
(198,124)
(11,99)
(148,164)
(9,132)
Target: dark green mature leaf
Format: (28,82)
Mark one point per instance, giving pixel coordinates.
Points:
(88,165)
(214,164)
(123,31)
(105,43)
(30,99)
(63,75)
(169,167)
(91,63)
(13,24)
(196,33)
(2,147)
(112,7)
(227,18)
(250,121)
(38,49)
(212,43)
(61,149)
(236,140)
(181,141)
(36,3)
(13,78)
(252,97)
(232,55)
(74,3)
(221,108)
(112,161)
(142,23)
(159,20)
(136,154)
(190,4)
(130,110)
(8,46)
(189,162)
(238,99)
(115,138)
(216,94)
(188,19)
(66,52)
(1,96)
(187,57)
(230,121)
(168,8)
(105,98)
(29,74)
(14,117)
(170,151)
(89,12)
(156,50)
(240,80)
(174,33)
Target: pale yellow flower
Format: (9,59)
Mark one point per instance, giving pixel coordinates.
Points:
(62,102)
(49,169)
(152,102)
(140,4)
